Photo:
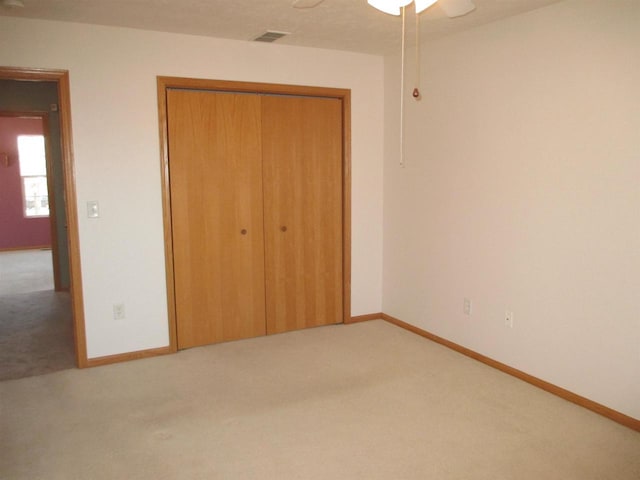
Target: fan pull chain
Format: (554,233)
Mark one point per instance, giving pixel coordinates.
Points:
(402,88)
(416,91)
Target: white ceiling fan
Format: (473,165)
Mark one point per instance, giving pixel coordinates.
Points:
(452,8)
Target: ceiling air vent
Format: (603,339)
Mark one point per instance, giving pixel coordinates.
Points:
(270,36)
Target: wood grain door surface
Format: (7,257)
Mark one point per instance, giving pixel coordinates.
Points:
(216,204)
(256,202)
(302,165)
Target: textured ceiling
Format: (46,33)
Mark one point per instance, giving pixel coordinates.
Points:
(350,25)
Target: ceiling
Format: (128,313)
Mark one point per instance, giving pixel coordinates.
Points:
(349,25)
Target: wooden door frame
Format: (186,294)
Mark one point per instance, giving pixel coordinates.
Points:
(61,78)
(165,83)
(53,221)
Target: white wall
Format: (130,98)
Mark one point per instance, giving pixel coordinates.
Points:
(115,137)
(522,192)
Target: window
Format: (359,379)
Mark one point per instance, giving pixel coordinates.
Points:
(33,170)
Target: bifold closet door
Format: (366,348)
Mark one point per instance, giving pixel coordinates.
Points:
(215,172)
(302,147)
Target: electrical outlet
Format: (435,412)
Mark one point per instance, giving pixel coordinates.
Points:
(466,308)
(508,319)
(118,311)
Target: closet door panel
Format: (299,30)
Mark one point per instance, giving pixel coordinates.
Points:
(302,178)
(217,215)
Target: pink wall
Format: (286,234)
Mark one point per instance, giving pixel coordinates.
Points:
(16,231)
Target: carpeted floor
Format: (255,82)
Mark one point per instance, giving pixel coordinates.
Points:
(36,332)
(363,401)
(24,271)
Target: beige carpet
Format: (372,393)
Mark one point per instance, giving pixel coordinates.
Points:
(364,401)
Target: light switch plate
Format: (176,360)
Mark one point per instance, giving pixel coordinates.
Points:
(466,309)
(93,210)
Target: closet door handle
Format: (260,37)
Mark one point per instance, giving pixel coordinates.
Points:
(243,231)
(283,228)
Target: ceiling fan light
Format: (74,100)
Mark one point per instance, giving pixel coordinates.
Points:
(422,5)
(391,7)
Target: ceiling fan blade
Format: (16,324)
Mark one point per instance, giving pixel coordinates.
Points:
(457,8)
(422,5)
(306,3)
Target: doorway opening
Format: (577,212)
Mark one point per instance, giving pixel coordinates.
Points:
(41,319)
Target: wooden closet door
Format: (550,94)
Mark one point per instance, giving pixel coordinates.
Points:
(215,172)
(302,165)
